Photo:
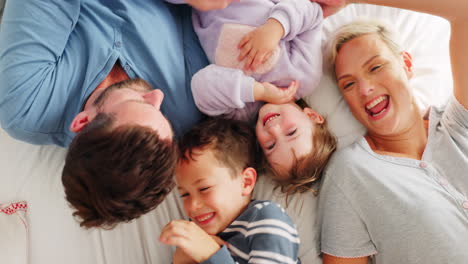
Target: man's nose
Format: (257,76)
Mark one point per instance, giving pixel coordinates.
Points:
(154,98)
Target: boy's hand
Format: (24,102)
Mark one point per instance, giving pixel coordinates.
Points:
(180,257)
(257,46)
(270,93)
(190,238)
(206,5)
(330,7)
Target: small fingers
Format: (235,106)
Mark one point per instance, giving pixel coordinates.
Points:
(244,41)
(293,86)
(245,46)
(267,56)
(248,61)
(173,228)
(245,51)
(258,60)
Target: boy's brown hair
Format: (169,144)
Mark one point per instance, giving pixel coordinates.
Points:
(232,141)
(114,175)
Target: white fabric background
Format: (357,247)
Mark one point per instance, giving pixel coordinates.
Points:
(33,173)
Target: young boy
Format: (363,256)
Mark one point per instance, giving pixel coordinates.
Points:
(215,177)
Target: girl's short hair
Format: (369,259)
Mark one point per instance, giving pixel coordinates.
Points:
(359,28)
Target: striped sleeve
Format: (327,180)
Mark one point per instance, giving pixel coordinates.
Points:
(221,256)
(270,233)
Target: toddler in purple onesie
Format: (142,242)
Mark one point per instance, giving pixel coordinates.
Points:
(260,50)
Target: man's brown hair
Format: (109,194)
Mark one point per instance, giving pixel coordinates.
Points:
(232,141)
(114,175)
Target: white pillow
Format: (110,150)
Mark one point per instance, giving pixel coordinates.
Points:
(13,233)
(425,36)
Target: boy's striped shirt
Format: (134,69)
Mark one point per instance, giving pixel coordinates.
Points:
(263,233)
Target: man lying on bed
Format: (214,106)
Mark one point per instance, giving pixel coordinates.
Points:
(57,59)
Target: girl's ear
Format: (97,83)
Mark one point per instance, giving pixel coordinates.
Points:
(249,178)
(314,116)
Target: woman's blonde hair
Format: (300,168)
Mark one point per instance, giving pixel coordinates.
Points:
(359,28)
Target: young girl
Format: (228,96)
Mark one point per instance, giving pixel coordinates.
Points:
(296,144)
(255,47)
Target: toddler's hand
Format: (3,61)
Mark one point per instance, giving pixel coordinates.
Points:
(190,238)
(257,46)
(270,93)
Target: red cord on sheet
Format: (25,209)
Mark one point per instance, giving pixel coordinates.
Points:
(14,207)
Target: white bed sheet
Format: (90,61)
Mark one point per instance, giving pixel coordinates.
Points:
(33,173)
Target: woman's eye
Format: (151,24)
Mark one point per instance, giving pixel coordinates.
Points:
(183,195)
(375,68)
(347,85)
(204,189)
(292,132)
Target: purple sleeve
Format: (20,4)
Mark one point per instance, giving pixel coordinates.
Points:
(296,16)
(224,91)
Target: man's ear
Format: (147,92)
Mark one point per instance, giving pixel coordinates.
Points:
(80,121)
(249,177)
(316,117)
(408,61)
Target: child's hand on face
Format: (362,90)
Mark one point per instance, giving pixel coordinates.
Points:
(270,93)
(257,46)
(190,238)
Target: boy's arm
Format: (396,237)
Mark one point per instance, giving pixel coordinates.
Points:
(33,37)
(288,18)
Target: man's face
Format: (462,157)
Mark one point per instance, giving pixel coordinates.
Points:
(136,104)
(212,198)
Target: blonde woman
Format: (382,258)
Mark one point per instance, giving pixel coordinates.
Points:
(400,193)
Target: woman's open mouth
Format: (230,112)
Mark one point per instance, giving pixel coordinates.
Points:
(378,107)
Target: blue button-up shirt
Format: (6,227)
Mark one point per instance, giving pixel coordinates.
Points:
(54,53)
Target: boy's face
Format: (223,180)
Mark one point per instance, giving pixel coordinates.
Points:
(212,198)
